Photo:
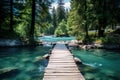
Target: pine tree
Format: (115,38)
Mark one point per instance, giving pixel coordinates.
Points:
(60,13)
(77,19)
(54,19)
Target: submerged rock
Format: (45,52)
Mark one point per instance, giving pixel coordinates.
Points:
(26,60)
(8,72)
(89,76)
(38,58)
(31,69)
(109,73)
(77,60)
(87,68)
(23,76)
(8,69)
(46,56)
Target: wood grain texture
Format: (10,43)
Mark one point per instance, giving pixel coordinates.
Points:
(61,65)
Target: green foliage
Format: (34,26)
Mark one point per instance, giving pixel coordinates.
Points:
(60,12)
(54,22)
(117,31)
(61,29)
(78,18)
(80,37)
(22,20)
(22,30)
(111,39)
(88,15)
(99,41)
(83,16)
(74,20)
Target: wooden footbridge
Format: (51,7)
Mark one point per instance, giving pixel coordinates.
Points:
(61,65)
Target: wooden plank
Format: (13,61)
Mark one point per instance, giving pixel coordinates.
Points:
(62,71)
(62,74)
(62,61)
(53,63)
(61,65)
(74,68)
(63,78)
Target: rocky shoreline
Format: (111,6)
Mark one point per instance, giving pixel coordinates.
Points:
(73,43)
(81,45)
(15,43)
(100,46)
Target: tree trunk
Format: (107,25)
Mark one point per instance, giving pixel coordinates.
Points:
(112,26)
(86,31)
(104,17)
(54,20)
(102,21)
(32,23)
(86,26)
(100,28)
(11,15)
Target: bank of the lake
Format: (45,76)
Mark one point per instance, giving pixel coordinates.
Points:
(99,64)
(23,63)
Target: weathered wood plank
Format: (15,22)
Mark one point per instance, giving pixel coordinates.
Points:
(62,61)
(62,71)
(53,63)
(68,68)
(62,74)
(61,65)
(63,78)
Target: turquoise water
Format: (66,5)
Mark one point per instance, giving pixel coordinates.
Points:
(55,39)
(26,63)
(23,63)
(99,64)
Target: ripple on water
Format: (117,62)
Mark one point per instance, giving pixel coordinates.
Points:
(23,59)
(104,66)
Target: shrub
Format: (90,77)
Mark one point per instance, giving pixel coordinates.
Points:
(111,39)
(117,31)
(99,41)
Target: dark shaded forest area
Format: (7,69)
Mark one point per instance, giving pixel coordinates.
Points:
(87,20)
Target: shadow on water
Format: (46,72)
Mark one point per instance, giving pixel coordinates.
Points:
(9,74)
